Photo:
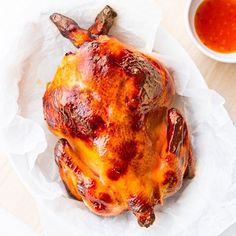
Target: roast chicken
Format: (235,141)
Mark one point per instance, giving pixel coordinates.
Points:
(123,146)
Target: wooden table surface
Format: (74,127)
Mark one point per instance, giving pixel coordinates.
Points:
(219,76)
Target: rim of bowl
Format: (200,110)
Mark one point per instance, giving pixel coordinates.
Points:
(189,25)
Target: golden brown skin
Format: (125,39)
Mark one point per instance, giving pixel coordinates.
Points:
(122,146)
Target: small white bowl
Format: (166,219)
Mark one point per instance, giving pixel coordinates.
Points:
(191,8)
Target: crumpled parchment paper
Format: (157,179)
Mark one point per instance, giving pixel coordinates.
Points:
(204,206)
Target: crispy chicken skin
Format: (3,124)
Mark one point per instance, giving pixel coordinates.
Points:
(122,145)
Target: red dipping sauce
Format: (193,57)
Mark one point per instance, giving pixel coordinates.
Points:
(215,24)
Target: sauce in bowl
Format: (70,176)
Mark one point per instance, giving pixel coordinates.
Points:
(215,25)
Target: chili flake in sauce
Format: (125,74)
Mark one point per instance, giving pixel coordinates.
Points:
(215,24)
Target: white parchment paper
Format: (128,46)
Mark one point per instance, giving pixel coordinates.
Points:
(204,206)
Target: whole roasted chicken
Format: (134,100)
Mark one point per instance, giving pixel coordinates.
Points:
(122,145)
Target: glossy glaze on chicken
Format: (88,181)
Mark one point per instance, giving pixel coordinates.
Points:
(122,145)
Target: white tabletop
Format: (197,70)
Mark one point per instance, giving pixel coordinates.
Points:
(219,76)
